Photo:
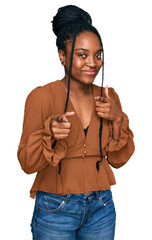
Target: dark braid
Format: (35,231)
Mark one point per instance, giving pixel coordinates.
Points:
(100,129)
(70,68)
(69,22)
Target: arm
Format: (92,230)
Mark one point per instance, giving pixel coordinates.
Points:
(120,145)
(35,150)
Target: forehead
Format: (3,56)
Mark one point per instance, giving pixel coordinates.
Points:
(87,40)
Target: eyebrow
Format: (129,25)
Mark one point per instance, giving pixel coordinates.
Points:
(87,49)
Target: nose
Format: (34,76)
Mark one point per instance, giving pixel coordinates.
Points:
(91,62)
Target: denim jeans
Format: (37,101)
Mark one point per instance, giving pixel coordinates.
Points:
(74,216)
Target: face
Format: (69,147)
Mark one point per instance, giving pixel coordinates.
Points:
(87,58)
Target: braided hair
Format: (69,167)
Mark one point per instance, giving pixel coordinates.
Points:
(69,22)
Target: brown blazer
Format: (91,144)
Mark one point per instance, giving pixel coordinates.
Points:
(78,154)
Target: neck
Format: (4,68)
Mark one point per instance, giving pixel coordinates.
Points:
(77,89)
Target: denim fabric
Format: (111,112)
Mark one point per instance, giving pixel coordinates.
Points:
(74,216)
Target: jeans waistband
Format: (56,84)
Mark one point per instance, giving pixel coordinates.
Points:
(76,197)
(83,196)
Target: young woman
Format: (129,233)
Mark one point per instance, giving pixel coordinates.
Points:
(73,130)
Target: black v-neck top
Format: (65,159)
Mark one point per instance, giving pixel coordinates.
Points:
(85,131)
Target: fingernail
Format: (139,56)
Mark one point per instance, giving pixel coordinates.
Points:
(97,97)
(65,120)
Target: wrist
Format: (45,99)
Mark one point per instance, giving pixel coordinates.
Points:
(118,121)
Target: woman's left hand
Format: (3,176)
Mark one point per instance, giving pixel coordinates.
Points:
(107,108)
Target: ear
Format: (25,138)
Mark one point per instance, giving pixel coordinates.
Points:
(61,55)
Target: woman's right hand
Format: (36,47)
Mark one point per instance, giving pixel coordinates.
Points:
(60,126)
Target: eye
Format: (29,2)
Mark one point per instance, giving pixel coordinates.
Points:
(82,55)
(99,55)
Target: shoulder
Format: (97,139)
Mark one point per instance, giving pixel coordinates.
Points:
(113,94)
(37,95)
(41,93)
(111,90)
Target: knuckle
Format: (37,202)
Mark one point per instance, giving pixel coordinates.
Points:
(55,137)
(108,110)
(69,124)
(54,131)
(53,124)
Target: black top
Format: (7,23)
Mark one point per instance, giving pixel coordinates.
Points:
(85,130)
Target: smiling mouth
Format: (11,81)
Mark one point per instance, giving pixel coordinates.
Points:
(89,72)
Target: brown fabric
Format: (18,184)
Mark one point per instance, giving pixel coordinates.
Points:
(78,169)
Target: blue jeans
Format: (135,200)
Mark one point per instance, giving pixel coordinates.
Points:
(74,216)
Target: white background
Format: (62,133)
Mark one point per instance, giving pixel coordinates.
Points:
(28,58)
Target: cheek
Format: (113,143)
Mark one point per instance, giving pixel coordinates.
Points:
(100,64)
(77,64)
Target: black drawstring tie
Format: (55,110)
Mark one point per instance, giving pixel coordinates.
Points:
(59,161)
(100,131)
(59,167)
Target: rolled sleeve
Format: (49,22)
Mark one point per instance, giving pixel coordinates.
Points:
(35,150)
(119,151)
(116,145)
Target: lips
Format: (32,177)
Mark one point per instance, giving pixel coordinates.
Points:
(89,72)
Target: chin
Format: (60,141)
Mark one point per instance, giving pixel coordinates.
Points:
(85,80)
(89,80)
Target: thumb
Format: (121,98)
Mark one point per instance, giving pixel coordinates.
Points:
(107,92)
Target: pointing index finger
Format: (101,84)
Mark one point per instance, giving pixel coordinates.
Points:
(67,114)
